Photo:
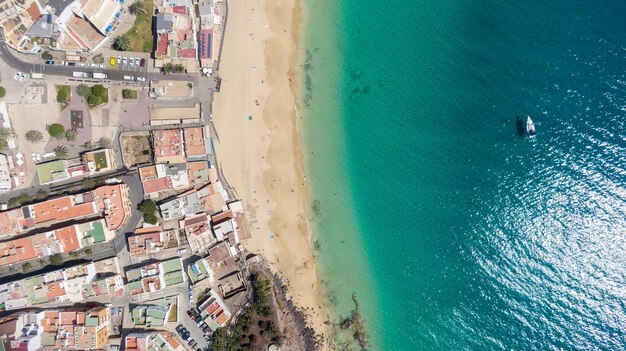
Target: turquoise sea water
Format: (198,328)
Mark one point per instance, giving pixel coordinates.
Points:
(455,232)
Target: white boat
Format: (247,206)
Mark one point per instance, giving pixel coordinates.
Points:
(530,127)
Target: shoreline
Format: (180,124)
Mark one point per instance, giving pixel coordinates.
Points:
(261,151)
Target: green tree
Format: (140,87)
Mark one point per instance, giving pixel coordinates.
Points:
(26,267)
(83,90)
(92,100)
(104,143)
(3,92)
(62,96)
(147,206)
(56,260)
(60,151)
(88,252)
(41,194)
(178,68)
(121,43)
(89,145)
(46,55)
(137,8)
(127,94)
(167,68)
(19,200)
(71,135)
(55,130)
(89,183)
(150,218)
(6,133)
(34,136)
(98,90)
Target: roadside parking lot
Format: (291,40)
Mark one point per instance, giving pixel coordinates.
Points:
(127,63)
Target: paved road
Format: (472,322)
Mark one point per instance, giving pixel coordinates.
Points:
(58,70)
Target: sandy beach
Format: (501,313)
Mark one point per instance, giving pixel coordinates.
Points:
(259,147)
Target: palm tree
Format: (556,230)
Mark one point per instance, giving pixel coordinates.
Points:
(178,68)
(7,133)
(137,8)
(121,43)
(104,143)
(167,68)
(83,90)
(71,135)
(34,136)
(60,151)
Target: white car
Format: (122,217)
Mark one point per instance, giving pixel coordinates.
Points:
(93,65)
(124,60)
(131,61)
(17,75)
(101,66)
(141,79)
(136,61)
(22,77)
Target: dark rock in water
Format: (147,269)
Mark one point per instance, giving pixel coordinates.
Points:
(347,323)
(521,129)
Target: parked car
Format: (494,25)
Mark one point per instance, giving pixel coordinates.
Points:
(49,62)
(124,60)
(180,327)
(190,341)
(142,62)
(205,328)
(141,79)
(120,311)
(112,61)
(22,77)
(112,310)
(70,64)
(191,315)
(17,75)
(136,61)
(131,61)
(206,338)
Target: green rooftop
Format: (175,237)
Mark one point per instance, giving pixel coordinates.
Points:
(133,274)
(172,265)
(49,171)
(97,233)
(173,278)
(48,339)
(101,160)
(91,321)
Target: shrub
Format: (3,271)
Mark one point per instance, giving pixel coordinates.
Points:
(3,92)
(46,55)
(98,90)
(61,96)
(55,130)
(92,100)
(56,260)
(34,136)
(71,135)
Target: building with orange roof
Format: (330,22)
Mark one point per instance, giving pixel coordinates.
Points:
(214,311)
(153,341)
(162,179)
(71,329)
(110,201)
(99,279)
(12,222)
(197,229)
(195,142)
(62,240)
(168,146)
(152,239)
(114,202)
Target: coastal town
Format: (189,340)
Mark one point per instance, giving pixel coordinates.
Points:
(118,230)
